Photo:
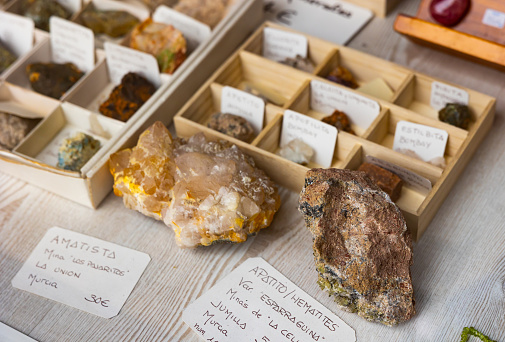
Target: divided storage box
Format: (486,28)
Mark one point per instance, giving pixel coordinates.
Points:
(33,159)
(289,88)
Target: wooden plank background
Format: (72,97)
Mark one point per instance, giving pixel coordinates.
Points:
(459,264)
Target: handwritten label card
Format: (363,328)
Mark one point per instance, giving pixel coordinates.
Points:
(257,303)
(194,31)
(279,45)
(122,60)
(16,33)
(334,20)
(415,181)
(494,18)
(71,42)
(442,94)
(315,133)
(427,142)
(86,273)
(325,98)
(243,104)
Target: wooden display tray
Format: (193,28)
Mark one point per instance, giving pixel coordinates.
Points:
(470,39)
(410,102)
(90,186)
(381,8)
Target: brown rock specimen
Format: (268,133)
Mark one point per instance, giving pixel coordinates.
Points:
(207,191)
(209,12)
(164,42)
(342,76)
(386,180)
(53,79)
(362,248)
(232,125)
(126,98)
(340,120)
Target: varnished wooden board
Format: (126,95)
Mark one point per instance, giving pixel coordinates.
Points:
(452,41)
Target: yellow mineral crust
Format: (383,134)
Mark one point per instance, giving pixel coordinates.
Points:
(207,191)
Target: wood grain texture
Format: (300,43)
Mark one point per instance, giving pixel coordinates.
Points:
(459,264)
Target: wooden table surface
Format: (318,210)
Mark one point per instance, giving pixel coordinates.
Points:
(459,264)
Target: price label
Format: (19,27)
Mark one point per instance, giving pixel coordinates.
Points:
(86,273)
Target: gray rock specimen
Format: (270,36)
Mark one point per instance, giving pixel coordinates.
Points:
(362,249)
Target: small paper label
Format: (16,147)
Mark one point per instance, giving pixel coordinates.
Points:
(16,33)
(73,6)
(86,273)
(250,107)
(315,133)
(7,334)
(279,45)
(335,21)
(415,181)
(257,303)
(427,142)
(442,94)
(73,43)
(194,31)
(325,98)
(122,60)
(494,18)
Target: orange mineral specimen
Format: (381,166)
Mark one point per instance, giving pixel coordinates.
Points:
(387,181)
(207,191)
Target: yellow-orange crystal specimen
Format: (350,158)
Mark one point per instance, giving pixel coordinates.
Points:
(207,191)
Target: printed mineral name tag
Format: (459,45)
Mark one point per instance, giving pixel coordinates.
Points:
(426,141)
(257,303)
(243,104)
(16,33)
(442,94)
(194,31)
(494,18)
(86,273)
(315,133)
(73,43)
(414,180)
(122,60)
(279,45)
(336,21)
(325,98)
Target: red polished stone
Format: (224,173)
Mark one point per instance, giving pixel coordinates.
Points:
(449,12)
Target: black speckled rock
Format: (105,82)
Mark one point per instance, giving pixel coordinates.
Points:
(362,248)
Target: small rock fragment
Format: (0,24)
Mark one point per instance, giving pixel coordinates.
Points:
(362,249)
(209,12)
(455,114)
(53,79)
(297,151)
(75,151)
(112,23)
(127,97)
(232,125)
(340,120)
(40,11)
(343,76)
(386,180)
(207,191)
(164,42)
(13,129)
(299,63)
(438,161)
(6,58)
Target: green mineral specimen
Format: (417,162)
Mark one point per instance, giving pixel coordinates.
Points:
(53,79)
(76,151)
(455,114)
(41,10)
(467,332)
(6,58)
(112,23)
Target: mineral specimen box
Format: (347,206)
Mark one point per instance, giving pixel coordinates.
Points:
(289,88)
(90,186)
